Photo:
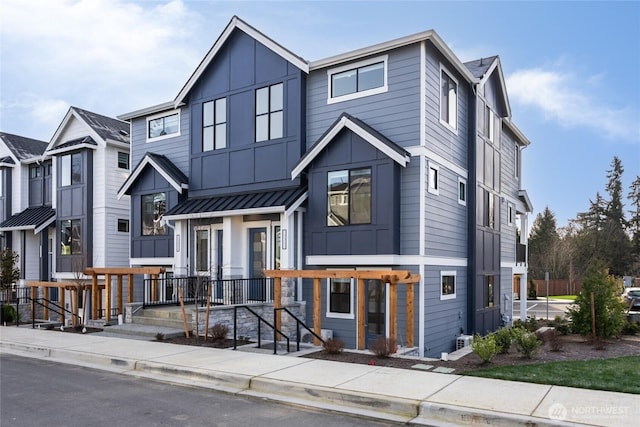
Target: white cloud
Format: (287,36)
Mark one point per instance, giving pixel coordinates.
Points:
(569,100)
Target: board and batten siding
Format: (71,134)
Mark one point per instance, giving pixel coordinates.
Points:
(175,149)
(395,113)
(410,208)
(510,189)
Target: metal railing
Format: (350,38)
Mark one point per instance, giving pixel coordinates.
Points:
(164,291)
(298,324)
(261,320)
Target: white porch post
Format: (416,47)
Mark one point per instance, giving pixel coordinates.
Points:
(234,242)
(524,235)
(180,251)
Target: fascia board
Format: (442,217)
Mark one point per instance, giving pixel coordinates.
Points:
(136,173)
(45,224)
(523,140)
(296,204)
(169,105)
(496,66)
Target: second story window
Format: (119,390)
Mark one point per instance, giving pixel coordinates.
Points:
(123,160)
(162,126)
(269,112)
(448,101)
(71,169)
(71,237)
(214,124)
(489,125)
(153,207)
(364,78)
(349,197)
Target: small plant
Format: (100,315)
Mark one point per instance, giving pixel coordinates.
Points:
(527,342)
(504,338)
(333,346)
(9,313)
(561,324)
(383,347)
(159,336)
(485,347)
(219,331)
(530,324)
(631,328)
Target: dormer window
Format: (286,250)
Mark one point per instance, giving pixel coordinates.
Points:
(163,126)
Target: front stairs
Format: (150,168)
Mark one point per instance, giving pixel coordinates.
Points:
(150,322)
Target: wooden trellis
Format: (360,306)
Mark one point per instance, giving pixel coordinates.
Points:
(393,277)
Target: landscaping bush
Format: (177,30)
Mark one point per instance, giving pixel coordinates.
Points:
(9,313)
(530,324)
(485,347)
(631,328)
(504,338)
(561,324)
(526,342)
(218,332)
(609,310)
(333,346)
(383,347)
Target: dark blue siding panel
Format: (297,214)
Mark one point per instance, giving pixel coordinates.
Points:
(271,162)
(242,60)
(241,167)
(270,66)
(214,169)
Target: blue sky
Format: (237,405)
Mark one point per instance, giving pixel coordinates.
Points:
(572,68)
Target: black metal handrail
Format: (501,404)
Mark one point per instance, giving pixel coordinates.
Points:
(298,323)
(260,319)
(61,310)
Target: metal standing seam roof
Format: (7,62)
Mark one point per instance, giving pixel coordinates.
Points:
(246,201)
(30,219)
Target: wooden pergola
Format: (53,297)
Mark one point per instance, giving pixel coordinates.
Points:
(393,277)
(62,287)
(119,272)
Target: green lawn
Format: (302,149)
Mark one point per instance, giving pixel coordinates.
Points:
(620,374)
(567,297)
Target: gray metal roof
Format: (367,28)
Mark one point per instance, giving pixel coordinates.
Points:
(480,66)
(23,148)
(29,219)
(107,127)
(245,201)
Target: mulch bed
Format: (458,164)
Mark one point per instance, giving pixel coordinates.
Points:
(210,342)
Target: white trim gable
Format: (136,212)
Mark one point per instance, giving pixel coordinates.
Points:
(237,23)
(496,66)
(148,161)
(63,125)
(346,122)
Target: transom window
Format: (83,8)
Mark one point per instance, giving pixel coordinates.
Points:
(71,169)
(163,126)
(71,237)
(349,197)
(447,285)
(269,112)
(153,207)
(360,79)
(448,100)
(214,124)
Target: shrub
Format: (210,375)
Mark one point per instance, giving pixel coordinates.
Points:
(159,336)
(503,337)
(383,347)
(561,324)
(631,328)
(485,347)
(609,310)
(219,331)
(530,324)
(9,313)
(333,346)
(526,342)
(532,294)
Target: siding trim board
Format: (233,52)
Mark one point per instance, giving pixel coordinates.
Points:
(327,260)
(423,151)
(370,135)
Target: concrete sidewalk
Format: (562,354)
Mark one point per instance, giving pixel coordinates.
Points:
(415,397)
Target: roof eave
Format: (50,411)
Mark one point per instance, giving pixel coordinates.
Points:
(169,105)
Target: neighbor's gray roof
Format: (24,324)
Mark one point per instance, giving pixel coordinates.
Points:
(107,127)
(480,66)
(23,148)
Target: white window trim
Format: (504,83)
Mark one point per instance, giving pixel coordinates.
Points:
(331,314)
(466,191)
(442,122)
(455,285)
(436,168)
(157,116)
(516,156)
(382,89)
(490,120)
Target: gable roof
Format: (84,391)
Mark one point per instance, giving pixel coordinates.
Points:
(360,128)
(101,130)
(22,148)
(165,167)
(35,218)
(483,68)
(237,23)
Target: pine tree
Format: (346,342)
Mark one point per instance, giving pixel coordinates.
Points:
(543,245)
(634,224)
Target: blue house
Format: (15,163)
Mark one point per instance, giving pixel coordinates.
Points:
(393,156)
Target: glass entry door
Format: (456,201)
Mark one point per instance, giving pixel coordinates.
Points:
(376,309)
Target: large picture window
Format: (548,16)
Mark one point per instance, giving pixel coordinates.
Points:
(269,112)
(349,197)
(71,169)
(71,237)
(448,101)
(214,124)
(153,207)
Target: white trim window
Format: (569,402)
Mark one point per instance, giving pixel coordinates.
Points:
(434,179)
(214,124)
(489,124)
(462,191)
(448,100)
(516,161)
(340,298)
(447,285)
(269,122)
(162,126)
(510,214)
(363,78)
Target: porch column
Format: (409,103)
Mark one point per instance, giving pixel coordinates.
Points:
(61,295)
(410,295)
(119,292)
(130,288)
(233,256)
(180,250)
(393,310)
(523,278)
(94,296)
(107,288)
(360,298)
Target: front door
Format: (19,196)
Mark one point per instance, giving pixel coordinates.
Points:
(202,252)
(257,263)
(376,310)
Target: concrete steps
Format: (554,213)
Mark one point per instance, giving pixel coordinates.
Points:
(169,317)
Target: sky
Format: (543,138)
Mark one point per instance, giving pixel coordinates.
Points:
(572,68)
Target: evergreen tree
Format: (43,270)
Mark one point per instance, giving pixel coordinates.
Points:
(543,246)
(634,224)
(615,246)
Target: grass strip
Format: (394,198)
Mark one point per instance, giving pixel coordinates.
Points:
(621,374)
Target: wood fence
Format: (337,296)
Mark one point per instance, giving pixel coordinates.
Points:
(557,287)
